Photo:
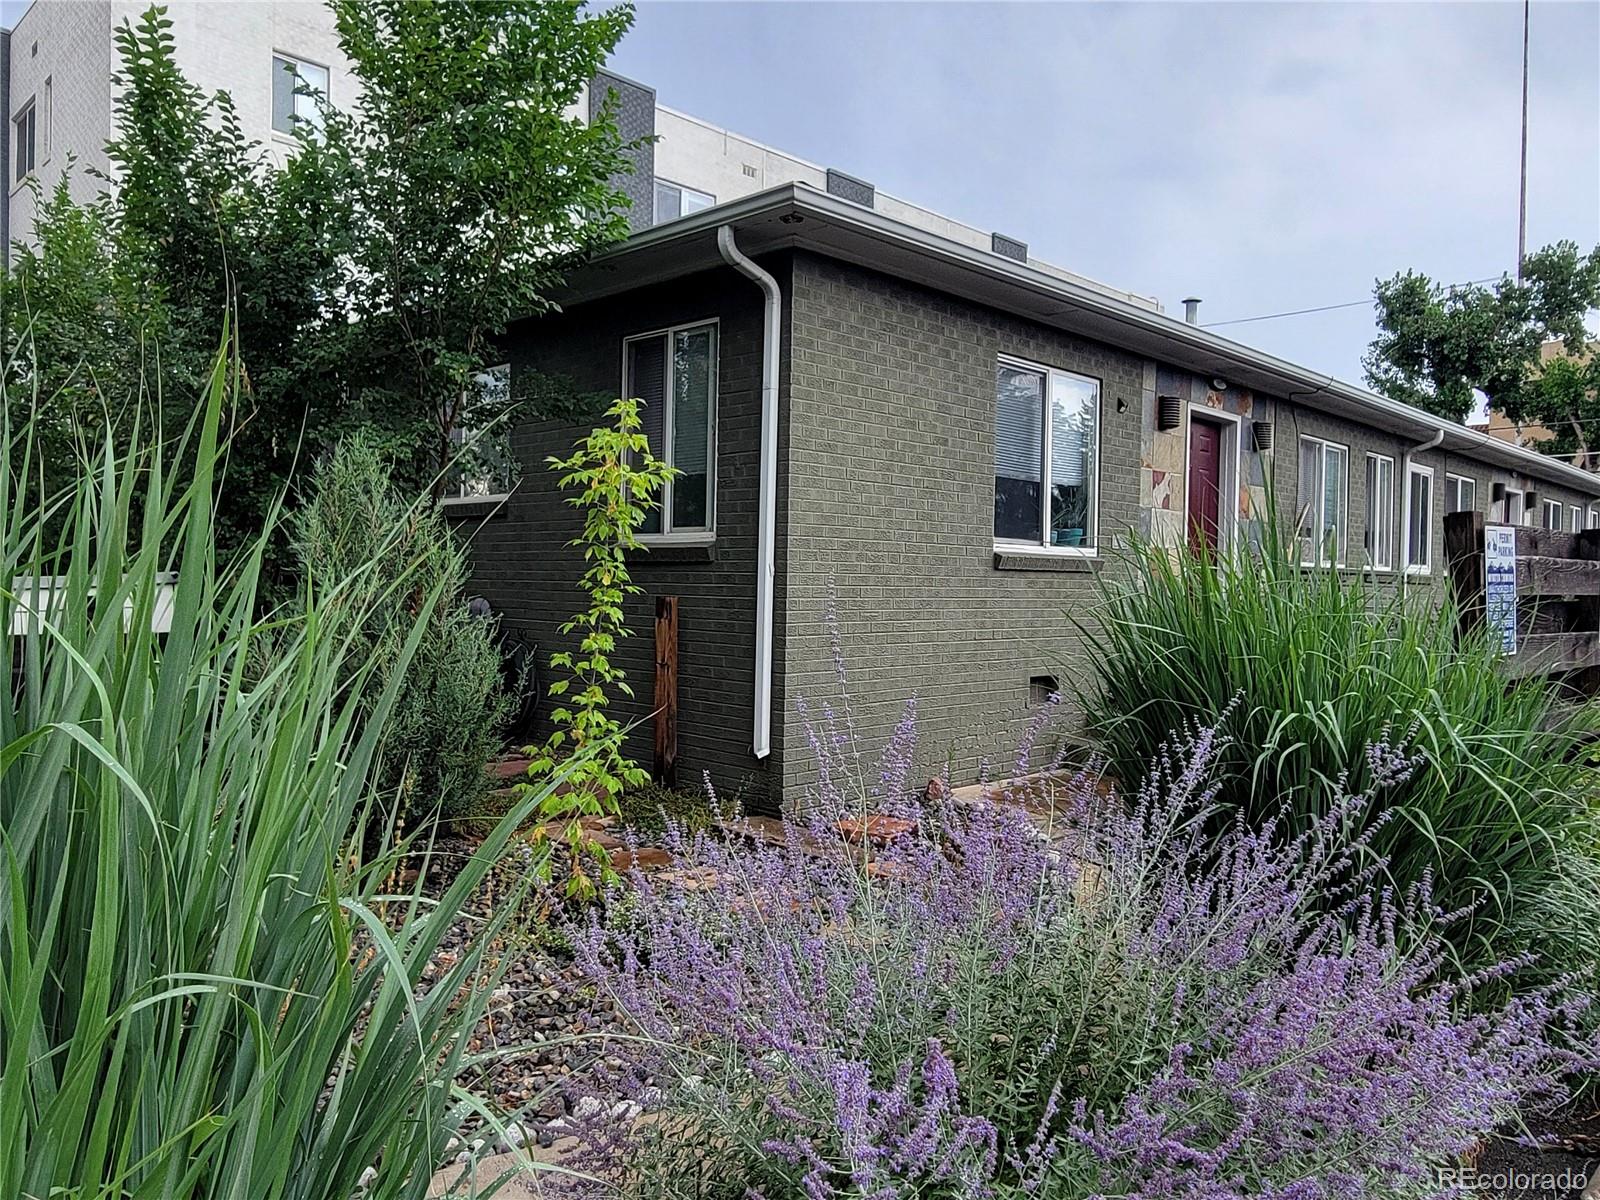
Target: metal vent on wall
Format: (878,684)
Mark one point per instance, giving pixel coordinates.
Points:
(1261,436)
(848,187)
(1169,412)
(1008,247)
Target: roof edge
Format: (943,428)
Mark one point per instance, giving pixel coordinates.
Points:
(1292,381)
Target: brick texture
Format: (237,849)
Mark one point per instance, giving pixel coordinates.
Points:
(524,567)
(891,501)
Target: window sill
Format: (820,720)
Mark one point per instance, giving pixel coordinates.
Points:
(666,551)
(1016,558)
(462,508)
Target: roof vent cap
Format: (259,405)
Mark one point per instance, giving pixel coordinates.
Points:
(848,187)
(1008,247)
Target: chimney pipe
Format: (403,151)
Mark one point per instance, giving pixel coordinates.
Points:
(1191,309)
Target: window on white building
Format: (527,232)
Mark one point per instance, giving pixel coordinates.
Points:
(1460,494)
(1419,519)
(1380,512)
(297,88)
(1323,502)
(25,142)
(673,200)
(673,374)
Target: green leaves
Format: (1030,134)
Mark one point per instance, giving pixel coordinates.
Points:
(369,275)
(204,990)
(615,478)
(1436,346)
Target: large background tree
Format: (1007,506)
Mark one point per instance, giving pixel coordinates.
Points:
(1437,346)
(370,273)
(473,189)
(132,288)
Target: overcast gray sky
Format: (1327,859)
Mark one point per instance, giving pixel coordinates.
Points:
(1264,157)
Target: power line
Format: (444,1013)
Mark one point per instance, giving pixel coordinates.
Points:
(1300,312)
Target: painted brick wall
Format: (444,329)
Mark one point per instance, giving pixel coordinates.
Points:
(891,502)
(522,565)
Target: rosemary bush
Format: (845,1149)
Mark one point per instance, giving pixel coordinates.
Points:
(364,546)
(1124,1008)
(198,997)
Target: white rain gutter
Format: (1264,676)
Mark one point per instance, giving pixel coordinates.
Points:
(767,476)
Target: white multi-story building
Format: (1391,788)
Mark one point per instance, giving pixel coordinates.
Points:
(59,98)
(56,75)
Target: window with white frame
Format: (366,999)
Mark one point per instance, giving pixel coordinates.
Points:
(297,88)
(1460,494)
(673,375)
(1380,512)
(1323,502)
(1552,515)
(1594,516)
(1575,518)
(673,200)
(1419,519)
(482,466)
(1046,458)
(1512,508)
(25,140)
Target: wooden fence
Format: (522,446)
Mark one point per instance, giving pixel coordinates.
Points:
(1553,623)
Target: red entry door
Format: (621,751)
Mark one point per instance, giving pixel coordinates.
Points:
(1205,484)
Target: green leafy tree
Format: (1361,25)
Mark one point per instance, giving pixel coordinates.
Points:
(474,186)
(195,223)
(1436,346)
(370,274)
(614,479)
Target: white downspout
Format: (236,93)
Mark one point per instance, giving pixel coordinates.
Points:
(767,475)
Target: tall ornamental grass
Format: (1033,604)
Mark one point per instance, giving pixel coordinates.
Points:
(203,992)
(1501,810)
(1123,1009)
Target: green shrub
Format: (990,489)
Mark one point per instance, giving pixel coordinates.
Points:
(646,810)
(199,998)
(1324,666)
(447,716)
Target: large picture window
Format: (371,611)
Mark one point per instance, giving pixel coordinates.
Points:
(1323,502)
(1419,519)
(673,374)
(1380,512)
(1046,451)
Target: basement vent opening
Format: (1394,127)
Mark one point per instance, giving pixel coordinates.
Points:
(1040,689)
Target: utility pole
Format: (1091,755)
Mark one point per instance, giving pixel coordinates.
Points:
(1522,190)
